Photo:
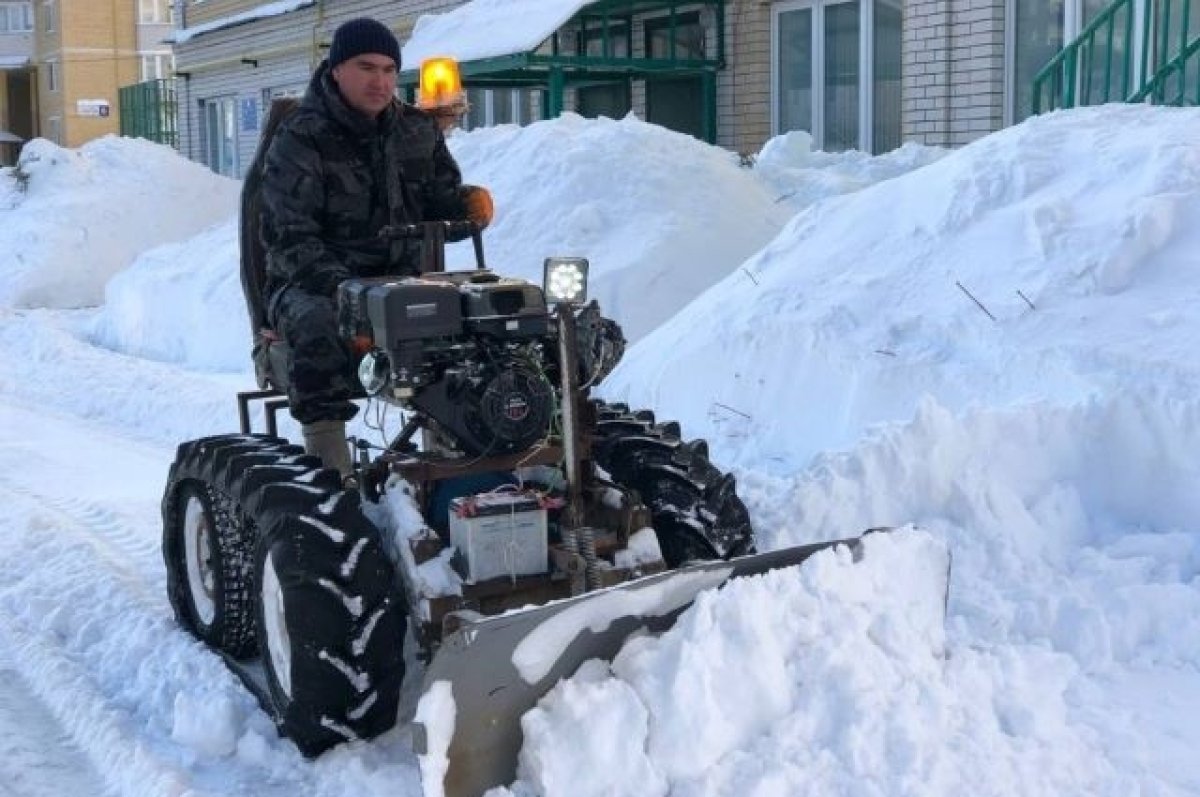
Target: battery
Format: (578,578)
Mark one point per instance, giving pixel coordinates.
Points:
(499,535)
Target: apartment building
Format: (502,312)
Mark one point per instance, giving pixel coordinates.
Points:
(17,119)
(84,51)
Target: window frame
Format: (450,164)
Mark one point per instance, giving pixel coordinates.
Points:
(161,12)
(866,68)
(21,12)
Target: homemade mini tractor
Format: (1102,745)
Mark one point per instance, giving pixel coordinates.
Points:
(512,529)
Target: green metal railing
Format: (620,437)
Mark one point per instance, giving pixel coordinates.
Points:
(1169,85)
(149,110)
(1103,65)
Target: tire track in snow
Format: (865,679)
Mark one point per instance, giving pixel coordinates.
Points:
(83,612)
(37,756)
(110,536)
(53,641)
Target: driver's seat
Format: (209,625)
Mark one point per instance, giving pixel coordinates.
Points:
(268,350)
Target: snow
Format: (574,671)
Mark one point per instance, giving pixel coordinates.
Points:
(486,28)
(262,11)
(91,211)
(436,712)
(536,654)
(992,348)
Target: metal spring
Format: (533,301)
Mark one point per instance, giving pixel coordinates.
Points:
(586,540)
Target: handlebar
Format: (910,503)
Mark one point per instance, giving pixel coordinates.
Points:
(450,229)
(433,236)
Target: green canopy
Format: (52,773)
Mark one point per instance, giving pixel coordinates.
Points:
(601,50)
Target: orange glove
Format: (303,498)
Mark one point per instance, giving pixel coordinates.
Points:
(478,202)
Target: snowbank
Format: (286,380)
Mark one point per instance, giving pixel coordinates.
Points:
(74,218)
(1052,259)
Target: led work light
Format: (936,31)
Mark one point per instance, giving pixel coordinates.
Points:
(565,280)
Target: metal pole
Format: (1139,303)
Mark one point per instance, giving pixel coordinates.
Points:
(556,87)
(708,83)
(565,318)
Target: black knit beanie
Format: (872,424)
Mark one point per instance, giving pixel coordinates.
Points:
(363,35)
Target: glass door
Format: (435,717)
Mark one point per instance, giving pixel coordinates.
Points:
(840,114)
(836,72)
(220,117)
(795,67)
(1041,28)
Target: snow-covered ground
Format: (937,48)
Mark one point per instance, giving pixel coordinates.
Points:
(994,345)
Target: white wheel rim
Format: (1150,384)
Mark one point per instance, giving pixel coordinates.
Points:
(198,554)
(279,646)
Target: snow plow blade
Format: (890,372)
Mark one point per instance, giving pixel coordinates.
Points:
(491,671)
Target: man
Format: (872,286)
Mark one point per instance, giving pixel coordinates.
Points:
(348,162)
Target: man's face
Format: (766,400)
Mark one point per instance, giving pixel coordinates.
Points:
(366,82)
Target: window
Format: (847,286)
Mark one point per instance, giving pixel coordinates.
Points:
(156,66)
(488,107)
(591,40)
(16,17)
(689,37)
(54,123)
(50,15)
(835,72)
(52,82)
(610,98)
(154,12)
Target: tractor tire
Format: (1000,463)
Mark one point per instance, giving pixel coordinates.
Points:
(694,507)
(208,548)
(328,621)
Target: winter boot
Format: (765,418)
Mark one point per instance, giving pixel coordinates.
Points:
(327,440)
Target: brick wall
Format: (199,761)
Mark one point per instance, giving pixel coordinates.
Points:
(744,87)
(953,73)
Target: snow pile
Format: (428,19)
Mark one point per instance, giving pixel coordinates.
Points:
(874,365)
(1073,600)
(181,302)
(799,175)
(83,215)
(1050,259)
(657,213)
(851,650)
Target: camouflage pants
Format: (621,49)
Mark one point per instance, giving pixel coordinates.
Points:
(321,378)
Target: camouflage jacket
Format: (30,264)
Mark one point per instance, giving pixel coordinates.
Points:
(333,179)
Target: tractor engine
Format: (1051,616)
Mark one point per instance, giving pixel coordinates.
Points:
(466,349)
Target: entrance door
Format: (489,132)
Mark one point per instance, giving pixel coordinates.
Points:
(20,103)
(220,127)
(1041,28)
(833,74)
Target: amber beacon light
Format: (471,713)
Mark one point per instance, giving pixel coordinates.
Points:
(441,85)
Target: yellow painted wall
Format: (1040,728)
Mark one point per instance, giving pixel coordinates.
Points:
(95,45)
